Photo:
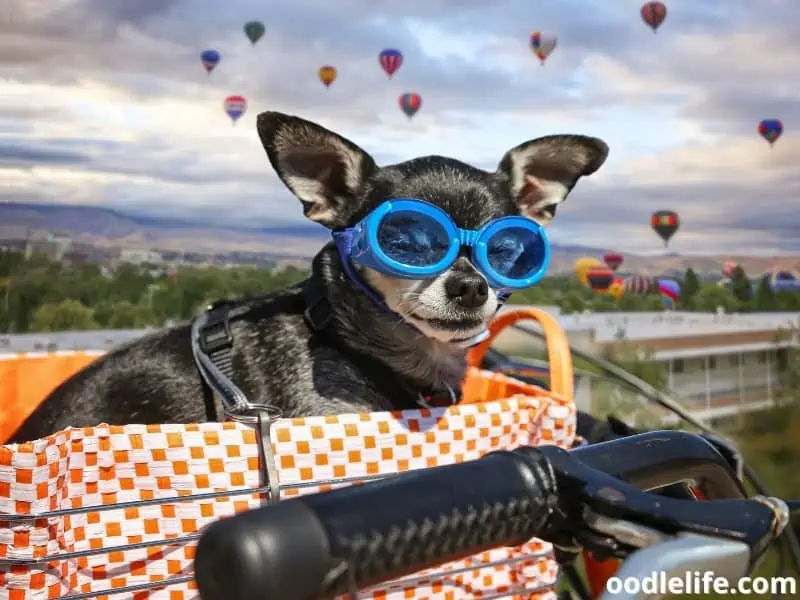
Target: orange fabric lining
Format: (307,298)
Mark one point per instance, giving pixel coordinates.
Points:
(26,380)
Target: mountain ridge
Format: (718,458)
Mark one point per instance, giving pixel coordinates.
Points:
(128,229)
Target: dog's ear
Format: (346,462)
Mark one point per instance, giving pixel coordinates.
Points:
(542,172)
(324,170)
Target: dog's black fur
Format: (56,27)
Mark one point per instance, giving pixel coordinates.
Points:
(278,359)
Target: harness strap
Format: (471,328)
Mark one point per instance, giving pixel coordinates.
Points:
(215,337)
(212,347)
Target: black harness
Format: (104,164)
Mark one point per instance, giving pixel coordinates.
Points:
(213,347)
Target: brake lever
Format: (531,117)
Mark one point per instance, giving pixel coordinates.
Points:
(728,451)
(756,521)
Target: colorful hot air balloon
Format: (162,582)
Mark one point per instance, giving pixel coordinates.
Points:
(617,288)
(613,260)
(410,103)
(327,75)
(770,130)
(639,285)
(543,44)
(600,278)
(582,265)
(783,280)
(654,13)
(390,60)
(670,291)
(728,268)
(665,223)
(235,106)
(254,30)
(210,59)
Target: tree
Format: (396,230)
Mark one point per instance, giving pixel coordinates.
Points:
(68,315)
(690,287)
(652,302)
(765,297)
(740,285)
(603,303)
(572,303)
(124,315)
(787,301)
(712,297)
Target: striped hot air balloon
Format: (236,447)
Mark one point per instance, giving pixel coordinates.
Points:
(543,44)
(600,278)
(639,284)
(410,103)
(390,60)
(235,107)
(670,291)
(665,223)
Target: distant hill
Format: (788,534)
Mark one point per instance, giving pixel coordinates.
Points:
(108,227)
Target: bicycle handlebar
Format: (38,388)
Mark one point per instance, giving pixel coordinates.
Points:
(333,543)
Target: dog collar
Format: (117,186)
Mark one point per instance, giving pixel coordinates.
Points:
(439,398)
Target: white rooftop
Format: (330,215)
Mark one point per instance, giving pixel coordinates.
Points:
(606,327)
(648,325)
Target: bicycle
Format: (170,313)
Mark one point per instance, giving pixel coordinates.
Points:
(597,497)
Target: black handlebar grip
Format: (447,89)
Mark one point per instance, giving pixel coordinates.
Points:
(324,545)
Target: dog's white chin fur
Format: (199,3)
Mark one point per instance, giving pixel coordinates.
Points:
(404,297)
(444,335)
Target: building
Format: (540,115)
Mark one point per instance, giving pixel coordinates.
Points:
(139,256)
(51,244)
(716,364)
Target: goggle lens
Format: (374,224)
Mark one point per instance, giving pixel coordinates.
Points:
(515,252)
(413,239)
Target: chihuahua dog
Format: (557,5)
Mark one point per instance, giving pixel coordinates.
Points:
(366,358)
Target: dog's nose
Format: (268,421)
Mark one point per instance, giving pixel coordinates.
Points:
(469,290)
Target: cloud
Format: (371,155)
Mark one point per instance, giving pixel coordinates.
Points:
(105,102)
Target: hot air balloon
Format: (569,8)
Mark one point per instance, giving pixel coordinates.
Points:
(654,13)
(783,280)
(582,265)
(728,268)
(670,291)
(599,278)
(617,288)
(390,60)
(254,30)
(543,44)
(770,130)
(209,58)
(410,103)
(639,285)
(235,106)
(327,75)
(665,223)
(613,260)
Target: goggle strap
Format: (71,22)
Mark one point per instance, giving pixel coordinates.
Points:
(344,243)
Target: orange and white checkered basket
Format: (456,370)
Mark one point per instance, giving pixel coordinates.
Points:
(115,511)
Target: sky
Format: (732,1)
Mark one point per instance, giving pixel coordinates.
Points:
(106,102)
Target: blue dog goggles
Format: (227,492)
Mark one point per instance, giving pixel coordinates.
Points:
(412,239)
